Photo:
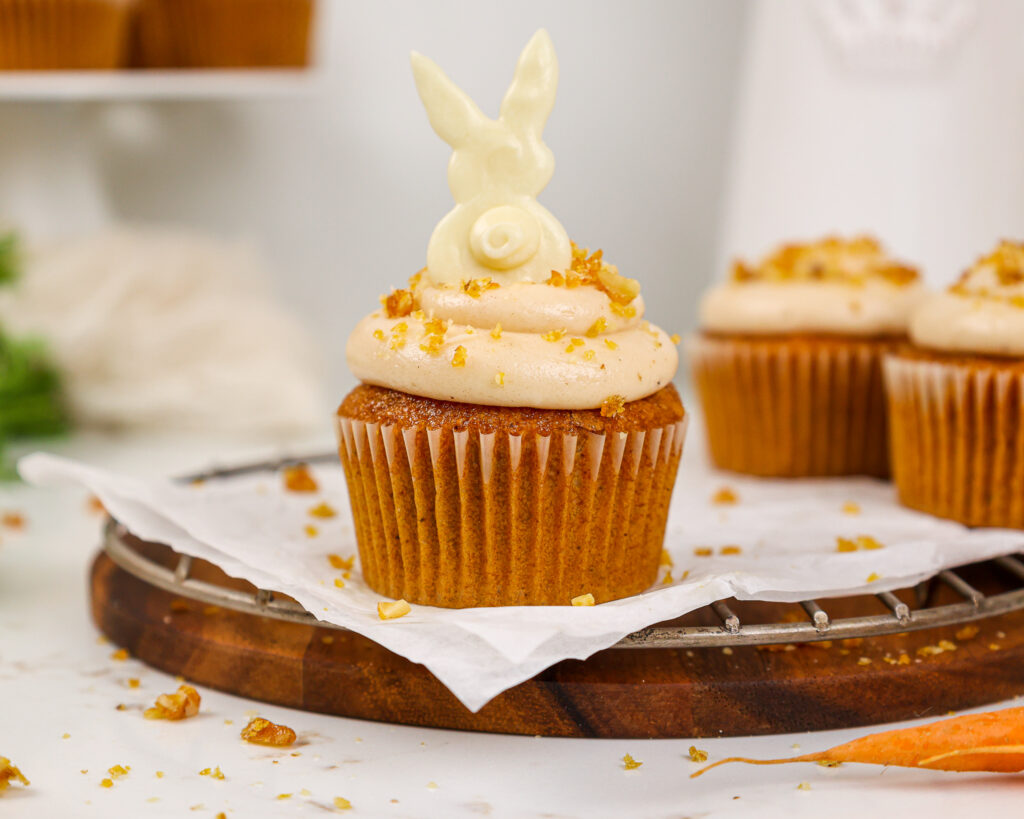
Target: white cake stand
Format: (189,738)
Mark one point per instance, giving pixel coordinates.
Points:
(52,124)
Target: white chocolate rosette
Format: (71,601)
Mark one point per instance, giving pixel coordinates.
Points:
(516,436)
(788,360)
(956,397)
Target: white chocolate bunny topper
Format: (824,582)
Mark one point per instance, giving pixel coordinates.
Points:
(496,171)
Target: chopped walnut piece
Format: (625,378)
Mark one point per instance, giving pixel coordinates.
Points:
(297,478)
(339,583)
(378,334)
(323,510)
(496,332)
(873,577)
(459,357)
(629,763)
(134,682)
(703,551)
(968,632)
(117,771)
(697,755)
(851,508)
(868,542)
(387,610)
(398,303)
(261,731)
(730,550)
(725,497)
(844,544)
(120,655)
(182,704)
(556,279)
(613,405)
(599,326)
(106,783)
(213,773)
(9,773)
(611,345)
(583,600)
(341,803)
(553,335)
(339,562)
(474,287)
(13,520)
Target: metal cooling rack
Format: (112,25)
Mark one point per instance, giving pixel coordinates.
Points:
(819,624)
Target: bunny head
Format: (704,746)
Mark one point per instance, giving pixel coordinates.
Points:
(498,167)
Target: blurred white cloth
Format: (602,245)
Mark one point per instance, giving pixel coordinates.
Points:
(898,117)
(166,329)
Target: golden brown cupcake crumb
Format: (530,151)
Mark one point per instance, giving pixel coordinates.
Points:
(630,764)
(725,497)
(398,303)
(323,510)
(613,405)
(339,562)
(697,755)
(297,478)
(213,773)
(341,803)
(851,508)
(583,600)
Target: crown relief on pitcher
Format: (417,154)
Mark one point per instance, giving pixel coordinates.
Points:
(497,229)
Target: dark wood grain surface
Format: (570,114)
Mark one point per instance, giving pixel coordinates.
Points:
(616,693)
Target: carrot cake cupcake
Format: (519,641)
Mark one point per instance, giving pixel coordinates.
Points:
(41,35)
(956,397)
(516,436)
(788,361)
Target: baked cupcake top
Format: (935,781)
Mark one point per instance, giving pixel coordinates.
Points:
(982,313)
(832,286)
(508,312)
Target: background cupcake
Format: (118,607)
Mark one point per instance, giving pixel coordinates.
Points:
(956,397)
(63,34)
(788,359)
(223,33)
(516,437)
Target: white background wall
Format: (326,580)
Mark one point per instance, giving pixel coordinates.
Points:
(343,189)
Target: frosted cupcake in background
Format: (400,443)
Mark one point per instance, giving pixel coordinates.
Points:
(788,360)
(956,397)
(516,436)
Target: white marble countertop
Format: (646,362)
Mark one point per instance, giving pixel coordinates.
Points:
(59,722)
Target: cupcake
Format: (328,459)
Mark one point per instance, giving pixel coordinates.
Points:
(63,34)
(956,397)
(223,33)
(516,436)
(788,360)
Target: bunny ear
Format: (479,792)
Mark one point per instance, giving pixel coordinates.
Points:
(531,96)
(452,114)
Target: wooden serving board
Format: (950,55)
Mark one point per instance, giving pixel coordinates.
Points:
(626,693)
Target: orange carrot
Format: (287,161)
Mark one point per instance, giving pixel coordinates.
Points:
(992,741)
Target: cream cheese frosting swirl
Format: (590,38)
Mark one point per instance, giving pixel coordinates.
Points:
(981,313)
(562,344)
(834,286)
